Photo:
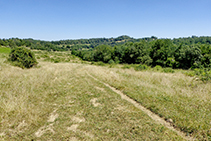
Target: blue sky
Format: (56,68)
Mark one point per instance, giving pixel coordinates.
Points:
(76,19)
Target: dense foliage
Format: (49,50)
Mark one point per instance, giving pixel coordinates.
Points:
(22,57)
(190,52)
(64,45)
(162,52)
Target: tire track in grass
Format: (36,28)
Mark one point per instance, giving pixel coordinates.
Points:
(145,110)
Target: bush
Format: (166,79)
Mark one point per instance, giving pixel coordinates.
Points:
(22,57)
(190,73)
(141,67)
(57,60)
(100,63)
(204,74)
(45,56)
(126,66)
(158,68)
(168,70)
(111,61)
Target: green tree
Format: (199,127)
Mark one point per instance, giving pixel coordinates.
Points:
(161,50)
(103,53)
(206,53)
(137,53)
(188,56)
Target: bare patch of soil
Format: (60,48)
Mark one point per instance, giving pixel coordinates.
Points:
(2,134)
(101,89)
(94,102)
(73,127)
(77,119)
(53,116)
(44,129)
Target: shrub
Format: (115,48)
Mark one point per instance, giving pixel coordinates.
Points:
(100,63)
(56,61)
(111,61)
(204,74)
(45,56)
(158,68)
(190,73)
(168,70)
(22,57)
(126,66)
(141,67)
(67,60)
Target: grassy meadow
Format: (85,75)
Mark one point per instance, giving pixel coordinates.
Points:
(58,101)
(4,50)
(56,57)
(173,96)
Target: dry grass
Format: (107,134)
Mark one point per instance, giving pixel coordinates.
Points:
(57,57)
(60,102)
(175,97)
(55,102)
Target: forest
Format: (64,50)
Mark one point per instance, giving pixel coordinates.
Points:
(185,53)
(182,53)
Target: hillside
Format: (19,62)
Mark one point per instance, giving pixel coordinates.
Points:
(64,45)
(79,101)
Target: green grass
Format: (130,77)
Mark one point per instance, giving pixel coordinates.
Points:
(5,50)
(57,57)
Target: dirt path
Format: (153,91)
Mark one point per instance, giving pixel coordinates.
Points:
(155,117)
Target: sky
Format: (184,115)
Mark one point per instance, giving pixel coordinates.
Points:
(82,19)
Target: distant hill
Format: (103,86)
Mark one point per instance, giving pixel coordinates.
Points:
(93,42)
(64,45)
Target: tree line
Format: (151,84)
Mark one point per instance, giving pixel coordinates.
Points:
(64,45)
(79,44)
(162,52)
(176,53)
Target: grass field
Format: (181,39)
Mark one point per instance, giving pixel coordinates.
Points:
(4,50)
(57,57)
(174,96)
(60,101)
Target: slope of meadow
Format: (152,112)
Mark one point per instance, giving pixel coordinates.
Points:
(59,101)
(177,98)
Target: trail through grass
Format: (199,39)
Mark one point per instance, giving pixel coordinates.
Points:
(175,97)
(152,115)
(60,102)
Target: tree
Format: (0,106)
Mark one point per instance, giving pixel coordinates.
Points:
(103,53)
(161,50)
(206,53)
(137,53)
(188,56)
